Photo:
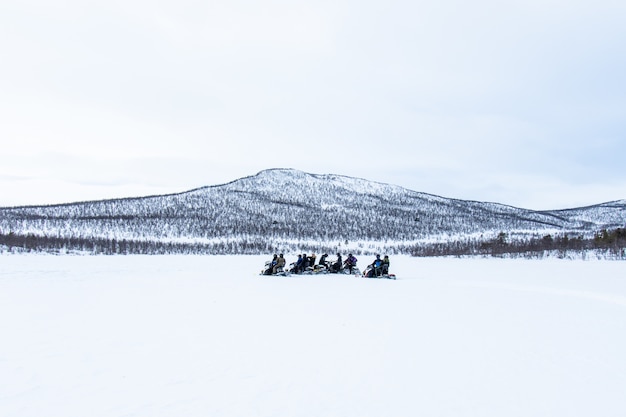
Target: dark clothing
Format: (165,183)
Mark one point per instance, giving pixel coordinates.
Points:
(385,265)
(351,262)
(377,265)
(298,265)
(271,265)
(337,265)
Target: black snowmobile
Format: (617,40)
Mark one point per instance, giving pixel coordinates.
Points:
(269,270)
(372,272)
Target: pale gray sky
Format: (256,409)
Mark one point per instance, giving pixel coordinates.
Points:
(518,102)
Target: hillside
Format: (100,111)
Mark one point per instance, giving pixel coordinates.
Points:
(282,206)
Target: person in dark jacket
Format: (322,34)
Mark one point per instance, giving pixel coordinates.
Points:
(385,265)
(337,265)
(297,265)
(305,262)
(377,265)
(323,262)
(270,265)
(350,262)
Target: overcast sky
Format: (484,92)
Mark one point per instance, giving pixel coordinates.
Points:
(517,102)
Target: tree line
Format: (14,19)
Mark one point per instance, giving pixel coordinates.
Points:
(105,246)
(611,242)
(26,243)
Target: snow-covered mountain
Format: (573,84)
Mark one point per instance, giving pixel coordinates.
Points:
(285,205)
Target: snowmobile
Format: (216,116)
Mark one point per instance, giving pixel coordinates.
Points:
(348,268)
(317,269)
(339,267)
(309,270)
(371,272)
(269,270)
(345,270)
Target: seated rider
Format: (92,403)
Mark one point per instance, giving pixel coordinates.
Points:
(337,265)
(385,265)
(305,262)
(297,265)
(377,265)
(270,265)
(323,262)
(280,264)
(350,262)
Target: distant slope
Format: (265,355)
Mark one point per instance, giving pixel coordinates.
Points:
(284,205)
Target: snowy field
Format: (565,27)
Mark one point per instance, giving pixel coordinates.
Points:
(207,336)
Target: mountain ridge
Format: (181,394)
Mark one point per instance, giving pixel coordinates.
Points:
(290,207)
(204,187)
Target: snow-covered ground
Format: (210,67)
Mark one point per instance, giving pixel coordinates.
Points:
(206,336)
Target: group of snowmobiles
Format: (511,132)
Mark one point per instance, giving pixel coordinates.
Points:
(306,265)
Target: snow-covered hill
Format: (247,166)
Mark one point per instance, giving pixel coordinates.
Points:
(282,206)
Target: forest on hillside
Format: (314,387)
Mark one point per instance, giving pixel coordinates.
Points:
(605,243)
(293,212)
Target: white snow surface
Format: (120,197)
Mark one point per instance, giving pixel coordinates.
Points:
(207,336)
